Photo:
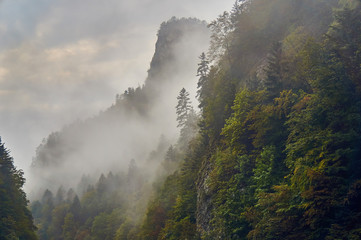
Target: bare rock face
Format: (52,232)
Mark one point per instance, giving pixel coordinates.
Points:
(204,199)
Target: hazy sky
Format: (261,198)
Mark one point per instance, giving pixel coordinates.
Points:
(66,59)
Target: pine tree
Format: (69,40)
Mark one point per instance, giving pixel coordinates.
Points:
(69,227)
(189,130)
(183,107)
(202,72)
(170,160)
(273,83)
(345,41)
(15,218)
(221,37)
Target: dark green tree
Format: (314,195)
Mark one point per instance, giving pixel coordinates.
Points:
(273,81)
(15,218)
(202,72)
(69,227)
(183,107)
(345,41)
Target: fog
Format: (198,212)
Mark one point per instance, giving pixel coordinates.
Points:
(65,60)
(130,129)
(136,123)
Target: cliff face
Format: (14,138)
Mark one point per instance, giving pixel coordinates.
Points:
(204,199)
(173,35)
(173,65)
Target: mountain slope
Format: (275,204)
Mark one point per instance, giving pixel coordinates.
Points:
(132,127)
(278,153)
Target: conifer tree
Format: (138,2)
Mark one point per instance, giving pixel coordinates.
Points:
(183,107)
(15,218)
(221,37)
(202,73)
(272,82)
(345,41)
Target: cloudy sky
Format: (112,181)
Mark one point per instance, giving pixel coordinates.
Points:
(62,60)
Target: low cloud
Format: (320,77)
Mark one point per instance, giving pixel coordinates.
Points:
(63,60)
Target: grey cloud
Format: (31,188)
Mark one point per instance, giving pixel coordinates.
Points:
(63,60)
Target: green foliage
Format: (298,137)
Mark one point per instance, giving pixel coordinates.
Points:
(181,223)
(15,218)
(183,107)
(96,215)
(278,160)
(265,170)
(314,134)
(217,103)
(235,130)
(273,81)
(69,227)
(276,215)
(172,214)
(105,225)
(183,229)
(228,182)
(321,144)
(202,73)
(278,154)
(344,40)
(159,209)
(124,231)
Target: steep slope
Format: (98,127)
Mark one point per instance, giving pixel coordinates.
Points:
(278,151)
(261,32)
(278,154)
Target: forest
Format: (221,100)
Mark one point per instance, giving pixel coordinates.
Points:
(272,151)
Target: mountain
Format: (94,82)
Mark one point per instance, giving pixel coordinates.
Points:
(132,127)
(274,152)
(278,152)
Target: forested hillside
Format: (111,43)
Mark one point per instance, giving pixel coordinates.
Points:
(273,153)
(16,221)
(93,179)
(278,153)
